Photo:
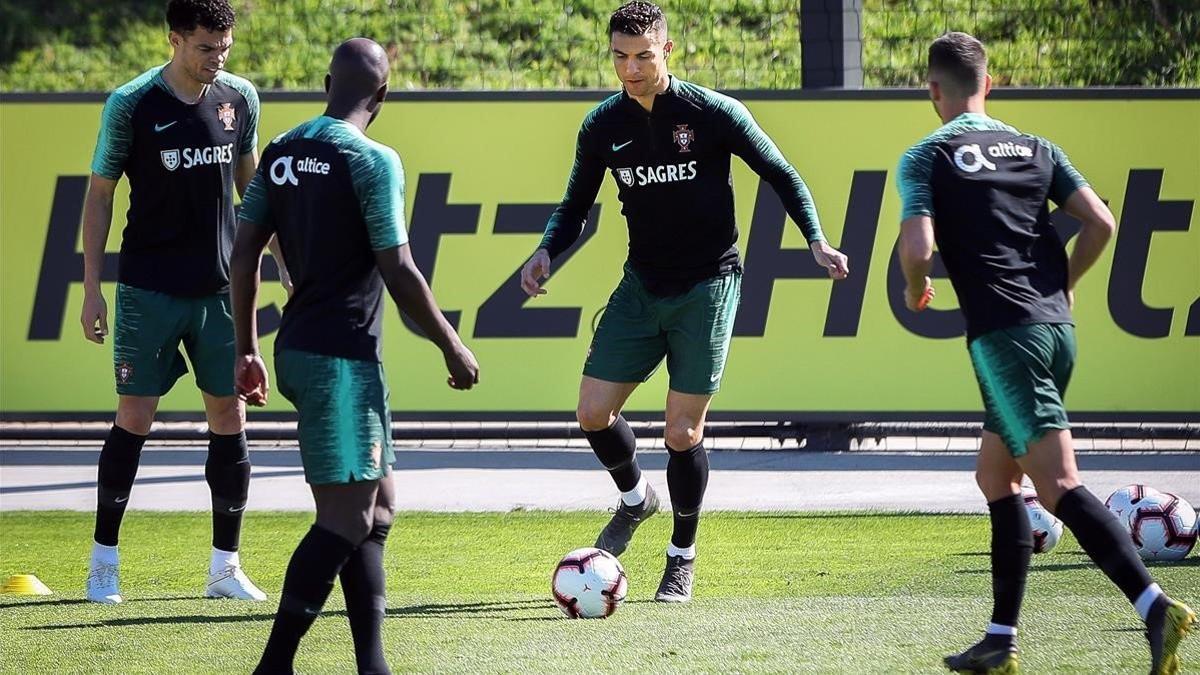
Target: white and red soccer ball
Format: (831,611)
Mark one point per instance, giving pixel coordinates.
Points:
(1162,525)
(1123,501)
(1047,530)
(589,583)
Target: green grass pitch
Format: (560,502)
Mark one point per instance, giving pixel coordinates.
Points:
(819,593)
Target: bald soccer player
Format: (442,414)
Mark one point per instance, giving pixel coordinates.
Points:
(335,200)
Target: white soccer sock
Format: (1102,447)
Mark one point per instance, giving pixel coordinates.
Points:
(104,554)
(1146,600)
(688,553)
(637,495)
(999,629)
(222,559)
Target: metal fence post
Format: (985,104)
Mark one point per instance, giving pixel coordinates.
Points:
(831,44)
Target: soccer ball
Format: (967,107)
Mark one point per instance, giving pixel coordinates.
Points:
(1047,529)
(1123,501)
(589,583)
(1163,527)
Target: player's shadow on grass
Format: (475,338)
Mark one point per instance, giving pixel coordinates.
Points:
(80,601)
(1086,563)
(478,610)
(484,610)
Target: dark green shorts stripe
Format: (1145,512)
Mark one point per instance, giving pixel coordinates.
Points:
(1023,374)
(692,331)
(344,421)
(150,329)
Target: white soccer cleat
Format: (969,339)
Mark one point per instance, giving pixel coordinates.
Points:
(232,582)
(102,584)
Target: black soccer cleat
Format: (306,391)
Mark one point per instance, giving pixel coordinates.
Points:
(985,658)
(616,535)
(676,584)
(1169,621)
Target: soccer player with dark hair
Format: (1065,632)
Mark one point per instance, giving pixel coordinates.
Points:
(185,133)
(335,200)
(668,145)
(981,190)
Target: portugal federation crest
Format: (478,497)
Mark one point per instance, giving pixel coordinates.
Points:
(626,176)
(227,115)
(170,159)
(124,372)
(684,137)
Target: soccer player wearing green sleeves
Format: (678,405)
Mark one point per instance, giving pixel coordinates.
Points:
(185,134)
(335,200)
(668,145)
(980,189)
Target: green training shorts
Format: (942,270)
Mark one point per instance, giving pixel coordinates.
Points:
(691,330)
(1023,374)
(345,425)
(149,329)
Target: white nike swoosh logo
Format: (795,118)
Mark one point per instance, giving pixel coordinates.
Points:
(616,147)
(714,378)
(164,127)
(233,510)
(120,500)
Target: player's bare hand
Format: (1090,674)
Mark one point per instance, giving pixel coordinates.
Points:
(94,317)
(918,298)
(250,379)
(462,366)
(833,260)
(535,272)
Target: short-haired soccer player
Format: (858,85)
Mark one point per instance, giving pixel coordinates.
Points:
(185,134)
(981,190)
(668,145)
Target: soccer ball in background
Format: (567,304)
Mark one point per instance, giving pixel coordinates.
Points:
(1047,530)
(1163,527)
(1123,501)
(589,583)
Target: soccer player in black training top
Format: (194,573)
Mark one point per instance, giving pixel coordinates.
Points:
(185,135)
(335,199)
(980,189)
(668,145)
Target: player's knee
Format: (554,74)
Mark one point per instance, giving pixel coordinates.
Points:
(1050,490)
(987,480)
(353,527)
(682,436)
(226,415)
(135,416)
(593,417)
(996,486)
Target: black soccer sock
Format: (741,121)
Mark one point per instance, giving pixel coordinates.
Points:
(227,471)
(687,479)
(117,468)
(1012,547)
(306,587)
(363,586)
(1103,539)
(616,448)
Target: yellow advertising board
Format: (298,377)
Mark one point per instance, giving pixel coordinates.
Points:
(483,173)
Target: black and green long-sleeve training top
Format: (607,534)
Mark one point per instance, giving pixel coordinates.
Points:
(674,182)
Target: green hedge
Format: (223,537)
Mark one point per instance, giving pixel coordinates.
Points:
(521,44)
